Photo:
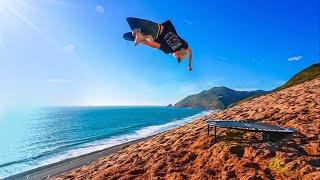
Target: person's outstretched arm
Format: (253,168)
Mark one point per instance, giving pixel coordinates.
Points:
(190,59)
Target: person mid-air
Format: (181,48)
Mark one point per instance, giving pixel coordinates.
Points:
(161,36)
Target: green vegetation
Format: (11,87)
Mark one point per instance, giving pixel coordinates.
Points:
(249,98)
(305,75)
(216,98)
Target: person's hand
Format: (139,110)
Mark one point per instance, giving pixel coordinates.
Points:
(190,68)
(138,38)
(136,43)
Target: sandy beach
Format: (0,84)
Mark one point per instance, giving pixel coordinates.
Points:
(187,152)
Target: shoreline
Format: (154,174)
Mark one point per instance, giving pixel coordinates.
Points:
(65,165)
(188,152)
(69,164)
(60,167)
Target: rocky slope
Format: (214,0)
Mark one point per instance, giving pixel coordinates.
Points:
(216,98)
(188,152)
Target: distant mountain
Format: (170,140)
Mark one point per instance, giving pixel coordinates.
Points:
(170,105)
(222,97)
(308,74)
(216,98)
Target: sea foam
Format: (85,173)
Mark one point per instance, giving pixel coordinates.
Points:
(117,140)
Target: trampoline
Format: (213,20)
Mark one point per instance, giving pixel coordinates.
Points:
(269,131)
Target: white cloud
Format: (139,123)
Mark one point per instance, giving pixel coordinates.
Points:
(70,48)
(187,21)
(221,58)
(59,81)
(99,9)
(295,58)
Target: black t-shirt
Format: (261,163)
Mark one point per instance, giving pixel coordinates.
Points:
(169,40)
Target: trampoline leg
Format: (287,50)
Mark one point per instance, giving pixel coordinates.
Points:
(215,134)
(208,129)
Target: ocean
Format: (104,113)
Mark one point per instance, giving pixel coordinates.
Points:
(30,138)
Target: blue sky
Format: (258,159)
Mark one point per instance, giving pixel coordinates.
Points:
(59,52)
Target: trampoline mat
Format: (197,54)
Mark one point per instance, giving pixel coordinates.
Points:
(250,126)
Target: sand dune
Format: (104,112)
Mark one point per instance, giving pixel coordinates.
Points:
(188,152)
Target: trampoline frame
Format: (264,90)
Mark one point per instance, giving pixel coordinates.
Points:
(267,132)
